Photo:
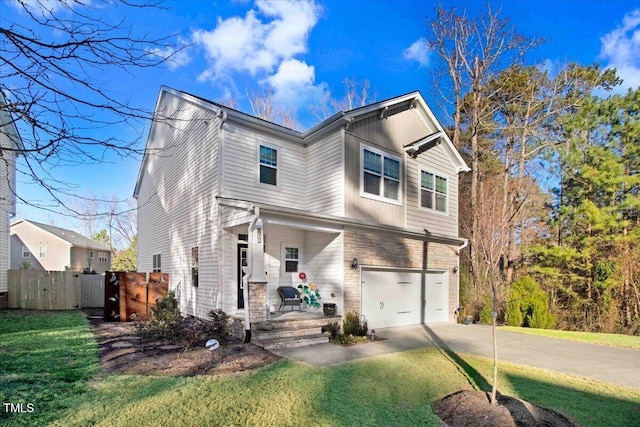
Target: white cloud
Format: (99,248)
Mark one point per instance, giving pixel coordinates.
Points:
(621,50)
(418,51)
(294,84)
(175,57)
(259,41)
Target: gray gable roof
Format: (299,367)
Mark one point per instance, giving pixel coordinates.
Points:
(76,239)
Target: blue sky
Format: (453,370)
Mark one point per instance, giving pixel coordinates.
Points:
(303,51)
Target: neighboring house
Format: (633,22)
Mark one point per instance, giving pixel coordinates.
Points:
(9,142)
(365,203)
(45,247)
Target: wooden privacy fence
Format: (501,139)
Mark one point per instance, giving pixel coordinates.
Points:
(92,290)
(54,290)
(129,296)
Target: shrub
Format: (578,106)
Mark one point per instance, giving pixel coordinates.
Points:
(219,326)
(485,313)
(351,324)
(528,305)
(166,321)
(334,329)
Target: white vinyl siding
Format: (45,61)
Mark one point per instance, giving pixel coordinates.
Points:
(177,209)
(323,265)
(324,175)
(437,162)
(241,174)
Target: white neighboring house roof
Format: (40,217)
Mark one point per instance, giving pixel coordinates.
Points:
(73,238)
(341,118)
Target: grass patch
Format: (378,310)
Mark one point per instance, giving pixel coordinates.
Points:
(46,359)
(613,340)
(395,389)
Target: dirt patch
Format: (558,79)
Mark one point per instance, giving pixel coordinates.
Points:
(474,409)
(121,351)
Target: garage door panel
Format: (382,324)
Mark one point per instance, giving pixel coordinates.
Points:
(391,298)
(395,297)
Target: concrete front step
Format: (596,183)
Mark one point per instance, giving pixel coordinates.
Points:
(304,322)
(289,331)
(292,342)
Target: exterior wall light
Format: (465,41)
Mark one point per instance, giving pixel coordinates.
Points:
(354,264)
(455,269)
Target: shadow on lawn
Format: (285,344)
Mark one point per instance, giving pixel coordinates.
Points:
(474,377)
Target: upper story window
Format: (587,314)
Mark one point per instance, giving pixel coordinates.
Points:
(157,263)
(25,252)
(268,165)
(90,254)
(102,257)
(433,191)
(43,251)
(380,175)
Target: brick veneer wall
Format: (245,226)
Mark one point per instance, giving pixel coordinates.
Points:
(387,250)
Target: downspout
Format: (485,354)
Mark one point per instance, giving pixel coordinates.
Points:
(245,294)
(460,248)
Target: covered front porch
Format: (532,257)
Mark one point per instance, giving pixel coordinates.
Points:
(287,246)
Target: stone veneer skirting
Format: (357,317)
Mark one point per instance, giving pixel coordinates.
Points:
(387,250)
(257,301)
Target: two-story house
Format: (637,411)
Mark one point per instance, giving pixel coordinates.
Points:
(365,203)
(36,246)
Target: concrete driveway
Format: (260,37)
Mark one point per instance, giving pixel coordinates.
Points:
(610,364)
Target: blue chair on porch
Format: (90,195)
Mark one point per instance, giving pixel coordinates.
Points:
(289,296)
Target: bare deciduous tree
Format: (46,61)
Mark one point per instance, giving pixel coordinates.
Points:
(54,66)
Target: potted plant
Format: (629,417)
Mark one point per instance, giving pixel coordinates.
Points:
(329,309)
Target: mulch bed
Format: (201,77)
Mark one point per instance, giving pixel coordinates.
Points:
(474,409)
(121,351)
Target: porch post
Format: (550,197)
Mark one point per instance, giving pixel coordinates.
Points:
(258,281)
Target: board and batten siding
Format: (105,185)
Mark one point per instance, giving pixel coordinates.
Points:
(324,175)
(435,161)
(241,168)
(177,209)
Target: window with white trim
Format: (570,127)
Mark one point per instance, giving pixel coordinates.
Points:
(43,251)
(268,165)
(102,257)
(381,175)
(90,254)
(291,259)
(157,263)
(433,191)
(26,253)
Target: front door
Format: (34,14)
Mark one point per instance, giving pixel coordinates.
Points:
(242,271)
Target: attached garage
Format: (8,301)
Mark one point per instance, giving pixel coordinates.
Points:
(397,297)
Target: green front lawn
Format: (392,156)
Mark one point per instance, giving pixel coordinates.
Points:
(614,340)
(396,389)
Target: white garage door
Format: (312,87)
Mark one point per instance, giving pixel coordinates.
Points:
(395,297)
